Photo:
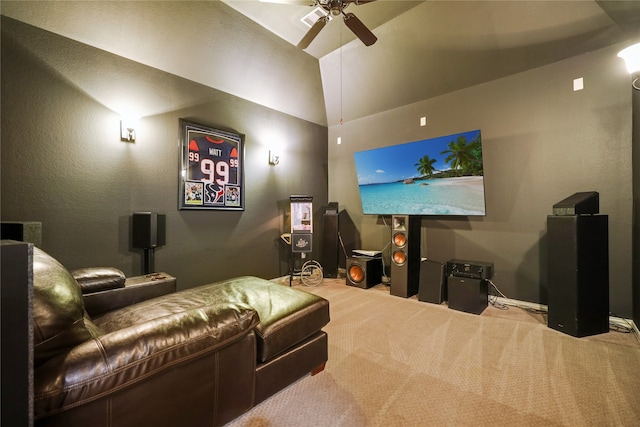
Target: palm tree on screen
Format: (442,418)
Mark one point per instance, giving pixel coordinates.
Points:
(425,166)
(459,155)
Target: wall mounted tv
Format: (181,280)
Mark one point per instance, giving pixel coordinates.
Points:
(436,176)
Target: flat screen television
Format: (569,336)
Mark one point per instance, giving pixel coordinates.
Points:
(436,176)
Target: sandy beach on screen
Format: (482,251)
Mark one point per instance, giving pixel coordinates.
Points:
(467,181)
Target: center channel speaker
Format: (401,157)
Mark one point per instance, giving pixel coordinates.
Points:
(364,272)
(405,255)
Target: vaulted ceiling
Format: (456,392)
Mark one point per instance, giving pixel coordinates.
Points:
(425,48)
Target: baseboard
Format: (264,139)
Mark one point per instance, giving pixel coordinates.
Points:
(618,321)
(521,304)
(625,323)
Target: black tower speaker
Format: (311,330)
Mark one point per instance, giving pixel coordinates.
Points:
(364,272)
(405,255)
(340,237)
(433,286)
(578,281)
(348,237)
(330,243)
(148,230)
(466,294)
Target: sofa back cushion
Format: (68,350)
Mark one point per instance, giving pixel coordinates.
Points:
(58,309)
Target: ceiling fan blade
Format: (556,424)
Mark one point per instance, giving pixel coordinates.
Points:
(359,2)
(359,29)
(313,32)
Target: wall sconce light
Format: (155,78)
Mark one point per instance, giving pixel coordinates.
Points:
(274,158)
(631,56)
(127,129)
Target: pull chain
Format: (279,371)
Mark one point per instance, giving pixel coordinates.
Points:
(340,74)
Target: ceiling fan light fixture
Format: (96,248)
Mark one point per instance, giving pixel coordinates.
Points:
(336,7)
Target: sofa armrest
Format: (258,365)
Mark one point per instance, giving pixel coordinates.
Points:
(135,290)
(96,279)
(122,358)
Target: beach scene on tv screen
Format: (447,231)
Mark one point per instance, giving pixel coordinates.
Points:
(436,176)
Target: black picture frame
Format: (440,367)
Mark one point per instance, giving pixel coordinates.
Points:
(211,168)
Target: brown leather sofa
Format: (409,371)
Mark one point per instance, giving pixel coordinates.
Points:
(197,357)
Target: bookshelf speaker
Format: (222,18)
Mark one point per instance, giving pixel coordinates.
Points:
(148,230)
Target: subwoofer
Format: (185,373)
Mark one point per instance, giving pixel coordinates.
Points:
(148,230)
(433,286)
(468,295)
(578,276)
(405,255)
(364,272)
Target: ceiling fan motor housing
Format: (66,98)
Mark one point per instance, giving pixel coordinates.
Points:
(336,7)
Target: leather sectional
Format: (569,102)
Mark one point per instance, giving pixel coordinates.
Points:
(197,357)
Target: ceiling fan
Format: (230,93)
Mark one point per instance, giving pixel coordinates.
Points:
(334,8)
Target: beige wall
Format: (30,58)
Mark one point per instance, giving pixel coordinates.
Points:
(542,142)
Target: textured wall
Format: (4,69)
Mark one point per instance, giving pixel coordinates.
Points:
(63,162)
(204,41)
(542,142)
(636,206)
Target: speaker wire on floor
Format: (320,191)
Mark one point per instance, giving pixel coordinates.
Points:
(625,328)
(617,327)
(494,301)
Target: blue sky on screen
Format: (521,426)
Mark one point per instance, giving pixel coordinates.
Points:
(396,162)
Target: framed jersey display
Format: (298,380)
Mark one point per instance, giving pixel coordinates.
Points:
(211,168)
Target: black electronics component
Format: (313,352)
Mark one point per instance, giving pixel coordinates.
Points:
(470,269)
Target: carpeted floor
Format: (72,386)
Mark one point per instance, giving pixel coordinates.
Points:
(402,362)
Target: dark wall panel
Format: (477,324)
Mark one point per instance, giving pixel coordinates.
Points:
(63,164)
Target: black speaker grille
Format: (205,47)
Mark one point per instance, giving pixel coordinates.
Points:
(148,230)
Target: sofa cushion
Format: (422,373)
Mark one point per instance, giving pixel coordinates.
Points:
(58,309)
(287,315)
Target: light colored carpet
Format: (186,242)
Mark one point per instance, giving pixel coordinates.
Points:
(402,362)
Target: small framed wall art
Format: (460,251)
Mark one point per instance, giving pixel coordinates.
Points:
(211,168)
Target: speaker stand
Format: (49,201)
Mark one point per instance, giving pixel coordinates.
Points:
(148,261)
